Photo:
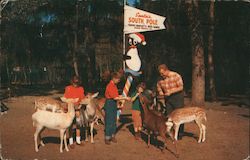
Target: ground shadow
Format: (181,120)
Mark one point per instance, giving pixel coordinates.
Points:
(124,119)
(158,143)
(244,115)
(238,100)
(51,139)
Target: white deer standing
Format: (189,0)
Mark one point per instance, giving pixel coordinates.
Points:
(53,120)
(89,114)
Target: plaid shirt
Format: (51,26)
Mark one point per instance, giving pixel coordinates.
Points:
(171,84)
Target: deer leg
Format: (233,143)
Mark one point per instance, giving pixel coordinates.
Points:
(86,133)
(91,131)
(163,135)
(204,132)
(148,139)
(176,130)
(200,127)
(65,141)
(37,132)
(61,139)
(176,150)
(41,141)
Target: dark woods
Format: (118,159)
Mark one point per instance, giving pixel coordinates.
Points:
(47,41)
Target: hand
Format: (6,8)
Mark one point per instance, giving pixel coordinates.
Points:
(128,98)
(79,106)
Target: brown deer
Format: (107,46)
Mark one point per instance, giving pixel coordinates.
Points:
(49,104)
(154,123)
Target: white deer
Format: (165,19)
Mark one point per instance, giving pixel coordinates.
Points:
(185,115)
(53,120)
(90,116)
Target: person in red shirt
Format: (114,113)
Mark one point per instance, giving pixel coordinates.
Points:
(75,91)
(110,107)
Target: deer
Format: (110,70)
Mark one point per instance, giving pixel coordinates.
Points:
(186,115)
(154,123)
(52,120)
(49,104)
(88,114)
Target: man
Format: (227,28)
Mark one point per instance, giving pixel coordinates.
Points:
(171,88)
(75,91)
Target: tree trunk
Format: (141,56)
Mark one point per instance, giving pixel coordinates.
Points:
(198,72)
(210,52)
(75,44)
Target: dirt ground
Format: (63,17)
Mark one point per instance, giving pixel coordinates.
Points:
(227,137)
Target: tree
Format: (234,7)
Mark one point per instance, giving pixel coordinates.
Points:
(210,52)
(198,67)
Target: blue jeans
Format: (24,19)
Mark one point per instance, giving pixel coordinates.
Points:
(110,118)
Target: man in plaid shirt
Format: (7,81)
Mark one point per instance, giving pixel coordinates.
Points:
(170,87)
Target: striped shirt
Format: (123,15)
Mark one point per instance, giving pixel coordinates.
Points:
(171,84)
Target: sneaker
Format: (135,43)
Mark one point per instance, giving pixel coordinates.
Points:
(80,144)
(107,142)
(113,139)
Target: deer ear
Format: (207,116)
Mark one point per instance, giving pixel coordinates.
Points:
(95,95)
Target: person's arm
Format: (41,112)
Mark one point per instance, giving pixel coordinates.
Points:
(67,92)
(120,97)
(179,84)
(81,97)
(134,97)
(159,89)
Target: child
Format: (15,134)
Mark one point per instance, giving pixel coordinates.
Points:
(136,109)
(112,96)
(75,91)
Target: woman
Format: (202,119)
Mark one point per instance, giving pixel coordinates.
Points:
(75,91)
(112,95)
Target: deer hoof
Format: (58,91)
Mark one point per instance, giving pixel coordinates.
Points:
(42,144)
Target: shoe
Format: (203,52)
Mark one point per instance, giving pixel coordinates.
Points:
(80,144)
(107,142)
(113,139)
